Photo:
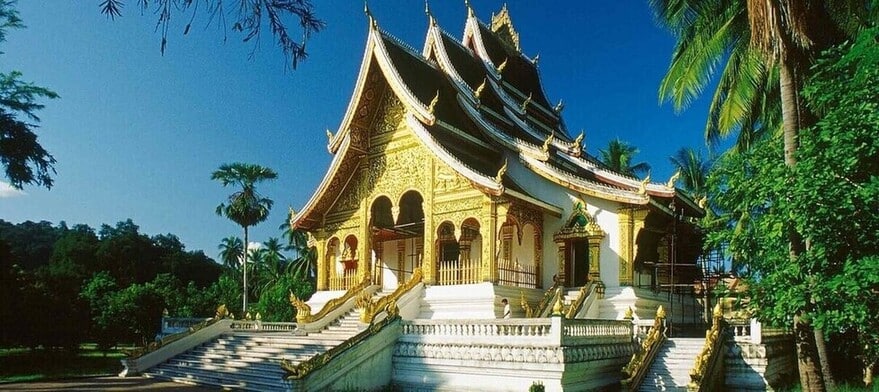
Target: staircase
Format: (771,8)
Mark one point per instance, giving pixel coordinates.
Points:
(670,370)
(251,360)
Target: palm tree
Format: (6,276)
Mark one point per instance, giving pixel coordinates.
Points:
(231,249)
(694,171)
(619,156)
(273,264)
(759,39)
(245,207)
(305,262)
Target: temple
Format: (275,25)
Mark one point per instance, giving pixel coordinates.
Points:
(453,160)
(454,185)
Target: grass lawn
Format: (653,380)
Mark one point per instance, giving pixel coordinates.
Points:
(18,365)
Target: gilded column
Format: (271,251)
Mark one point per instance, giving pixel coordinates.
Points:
(322,261)
(626,252)
(561,260)
(594,258)
(364,246)
(428,263)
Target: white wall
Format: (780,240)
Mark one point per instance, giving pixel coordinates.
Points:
(564,198)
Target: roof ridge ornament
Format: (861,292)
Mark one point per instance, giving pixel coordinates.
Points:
(500,68)
(429,14)
(330,137)
(525,103)
(470,12)
(535,60)
(642,188)
(673,179)
(433,102)
(499,22)
(479,90)
(702,202)
(559,107)
(372,21)
(547,143)
(578,143)
(500,172)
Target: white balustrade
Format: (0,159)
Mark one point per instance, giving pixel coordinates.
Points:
(253,325)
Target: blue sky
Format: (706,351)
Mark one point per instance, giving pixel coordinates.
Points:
(137,134)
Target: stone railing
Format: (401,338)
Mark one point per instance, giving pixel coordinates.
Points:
(303,310)
(370,309)
(170,348)
(174,325)
(547,332)
(642,327)
(301,370)
(752,331)
(635,371)
(584,293)
(707,373)
(261,326)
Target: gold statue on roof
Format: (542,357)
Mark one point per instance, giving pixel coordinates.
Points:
(500,173)
(500,68)
(642,188)
(673,179)
(433,102)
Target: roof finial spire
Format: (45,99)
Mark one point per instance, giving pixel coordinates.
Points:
(428,13)
(372,22)
(470,12)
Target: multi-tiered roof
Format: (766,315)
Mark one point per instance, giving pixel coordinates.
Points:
(477,103)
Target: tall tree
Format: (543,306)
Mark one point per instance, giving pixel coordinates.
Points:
(619,156)
(24,159)
(246,207)
(231,249)
(694,170)
(304,264)
(759,38)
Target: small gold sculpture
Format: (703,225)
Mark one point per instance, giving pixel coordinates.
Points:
(526,102)
(500,173)
(478,92)
(222,312)
(558,307)
(629,314)
(433,102)
(303,311)
(660,312)
(578,142)
(500,68)
(547,142)
(642,189)
(673,179)
(702,202)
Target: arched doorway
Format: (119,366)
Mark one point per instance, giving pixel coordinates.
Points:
(397,237)
(579,243)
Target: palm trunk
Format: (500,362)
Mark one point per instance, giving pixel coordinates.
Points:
(807,350)
(244,294)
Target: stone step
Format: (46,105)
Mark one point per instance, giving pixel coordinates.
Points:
(219,379)
(262,369)
(245,357)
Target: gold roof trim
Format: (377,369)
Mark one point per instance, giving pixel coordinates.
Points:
(502,20)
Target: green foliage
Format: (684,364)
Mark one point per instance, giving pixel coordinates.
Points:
(274,303)
(620,156)
(24,160)
(536,386)
(247,20)
(830,198)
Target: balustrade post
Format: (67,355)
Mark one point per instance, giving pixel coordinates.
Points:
(756,331)
(556,329)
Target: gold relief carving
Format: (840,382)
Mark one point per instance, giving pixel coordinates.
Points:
(447,180)
(469,204)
